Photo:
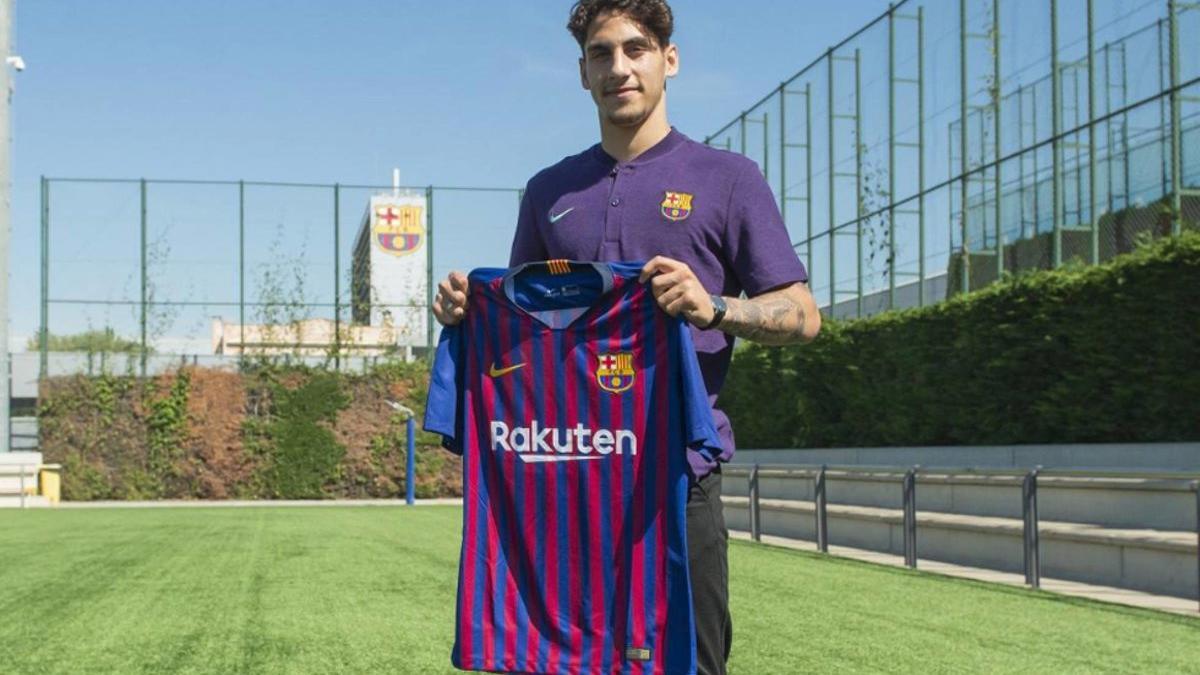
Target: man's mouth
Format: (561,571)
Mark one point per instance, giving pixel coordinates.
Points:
(622,92)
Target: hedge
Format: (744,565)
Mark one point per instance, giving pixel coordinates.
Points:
(1106,353)
(268,433)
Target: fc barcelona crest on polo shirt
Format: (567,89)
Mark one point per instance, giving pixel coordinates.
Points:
(677,205)
(615,372)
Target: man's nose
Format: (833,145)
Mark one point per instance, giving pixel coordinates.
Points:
(620,65)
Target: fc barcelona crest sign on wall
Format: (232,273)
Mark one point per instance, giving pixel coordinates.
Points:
(399,228)
(615,371)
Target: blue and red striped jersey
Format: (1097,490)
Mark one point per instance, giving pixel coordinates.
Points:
(573,399)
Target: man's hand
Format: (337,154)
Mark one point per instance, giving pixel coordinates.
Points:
(450,303)
(785,315)
(678,291)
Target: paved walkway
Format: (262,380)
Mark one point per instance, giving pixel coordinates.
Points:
(222,503)
(1121,596)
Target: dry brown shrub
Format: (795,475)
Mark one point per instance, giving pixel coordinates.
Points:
(218,464)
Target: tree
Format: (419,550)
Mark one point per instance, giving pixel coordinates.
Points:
(92,341)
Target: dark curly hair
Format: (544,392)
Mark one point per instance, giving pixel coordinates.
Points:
(654,16)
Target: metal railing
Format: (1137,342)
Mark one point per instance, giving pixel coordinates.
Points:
(22,474)
(1027,478)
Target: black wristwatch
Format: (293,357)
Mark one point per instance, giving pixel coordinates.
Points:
(718,312)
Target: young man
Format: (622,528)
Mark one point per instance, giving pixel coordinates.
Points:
(705,220)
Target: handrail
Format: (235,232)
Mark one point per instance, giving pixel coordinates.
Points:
(819,473)
(899,470)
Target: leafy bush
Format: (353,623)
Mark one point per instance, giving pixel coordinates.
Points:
(1085,354)
(304,456)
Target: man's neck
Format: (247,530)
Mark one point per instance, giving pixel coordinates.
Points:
(625,143)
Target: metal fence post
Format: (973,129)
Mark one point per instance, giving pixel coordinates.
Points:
(822,524)
(755,514)
(430,291)
(1055,142)
(832,187)
(44,333)
(964,165)
(1093,218)
(1025,526)
(410,464)
(144,275)
(337,282)
(909,489)
(1033,568)
(241,276)
(1176,124)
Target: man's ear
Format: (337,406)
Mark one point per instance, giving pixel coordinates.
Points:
(583,74)
(671,56)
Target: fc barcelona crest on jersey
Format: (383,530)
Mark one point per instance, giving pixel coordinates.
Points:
(677,205)
(399,229)
(615,371)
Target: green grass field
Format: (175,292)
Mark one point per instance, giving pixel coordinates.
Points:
(371,590)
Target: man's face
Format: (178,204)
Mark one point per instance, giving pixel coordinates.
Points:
(625,70)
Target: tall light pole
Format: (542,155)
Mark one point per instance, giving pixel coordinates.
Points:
(10,64)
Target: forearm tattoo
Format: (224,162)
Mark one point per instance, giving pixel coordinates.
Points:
(769,319)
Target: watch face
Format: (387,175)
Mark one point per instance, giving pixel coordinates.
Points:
(718,311)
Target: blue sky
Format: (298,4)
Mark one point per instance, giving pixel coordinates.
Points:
(465,93)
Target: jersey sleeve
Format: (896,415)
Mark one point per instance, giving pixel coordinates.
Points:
(441,404)
(527,245)
(701,430)
(758,248)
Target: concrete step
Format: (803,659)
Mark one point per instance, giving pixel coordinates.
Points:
(1155,561)
(14,501)
(1124,596)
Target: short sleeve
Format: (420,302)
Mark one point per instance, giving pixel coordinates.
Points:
(527,245)
(441,404)
(758,247)
(701,430)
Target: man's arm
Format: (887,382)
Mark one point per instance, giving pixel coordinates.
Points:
(781,316)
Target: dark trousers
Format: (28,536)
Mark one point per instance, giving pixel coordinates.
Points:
(709,568)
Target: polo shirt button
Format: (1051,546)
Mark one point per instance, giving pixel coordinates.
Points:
(615,202)
(613,172)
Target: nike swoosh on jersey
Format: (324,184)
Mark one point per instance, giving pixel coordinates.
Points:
(555,217)
(497,372)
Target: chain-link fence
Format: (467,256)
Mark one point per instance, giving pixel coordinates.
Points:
(946,144)
(139,276)
(940,147)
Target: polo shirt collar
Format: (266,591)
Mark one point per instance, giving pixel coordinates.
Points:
(672,140)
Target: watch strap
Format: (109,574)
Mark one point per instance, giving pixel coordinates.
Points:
(719,309)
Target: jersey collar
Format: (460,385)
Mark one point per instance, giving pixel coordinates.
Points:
(557,319)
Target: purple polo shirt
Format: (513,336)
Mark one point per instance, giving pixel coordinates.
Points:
(708,208)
